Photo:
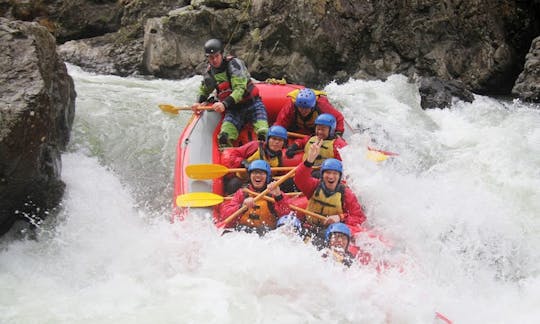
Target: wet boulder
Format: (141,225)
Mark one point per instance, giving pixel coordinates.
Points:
(37,104)
(527,85)
(437,93)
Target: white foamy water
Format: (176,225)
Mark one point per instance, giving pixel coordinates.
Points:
(460,205)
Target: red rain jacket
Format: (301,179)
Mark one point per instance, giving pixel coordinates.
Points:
(352,210)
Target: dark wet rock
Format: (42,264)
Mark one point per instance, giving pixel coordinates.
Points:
(105,54)
(436,93)
(527,85)
(37,102)
(71,19)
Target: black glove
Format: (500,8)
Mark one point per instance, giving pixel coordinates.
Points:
(245,164)
(291,151)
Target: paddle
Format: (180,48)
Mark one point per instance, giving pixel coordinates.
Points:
(372,153)
(382,152)
(198,199)
(290,194)
(259,196)
(209,199)
(378,155)
(296,135)
(174,109)
(207,171)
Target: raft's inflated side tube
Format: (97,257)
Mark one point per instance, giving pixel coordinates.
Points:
(274,96)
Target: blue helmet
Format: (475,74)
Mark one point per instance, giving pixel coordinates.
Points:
(261,165)
(337,228)
(327,120)
(277,131)
(332,164)
(306,98)
(289,219)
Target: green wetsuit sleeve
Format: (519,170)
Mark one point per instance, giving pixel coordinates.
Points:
(239,79)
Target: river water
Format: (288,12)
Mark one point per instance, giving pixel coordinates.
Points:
(459,206)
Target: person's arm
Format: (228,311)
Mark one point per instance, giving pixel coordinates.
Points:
(282,201)
(303,179)
(208,85)
(285,116)
(339,143)
(326,107)
(233,157)
(239,79)
(231,206)
(205,89)
(353,215)
(297,145)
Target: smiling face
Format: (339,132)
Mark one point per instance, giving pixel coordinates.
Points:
(215,59)
(331,179)
(339,241)
(275,143)
(258,179)
(322,131)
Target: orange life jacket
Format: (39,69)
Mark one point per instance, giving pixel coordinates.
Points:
(263,214)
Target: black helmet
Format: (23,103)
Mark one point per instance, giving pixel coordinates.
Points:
(213,46)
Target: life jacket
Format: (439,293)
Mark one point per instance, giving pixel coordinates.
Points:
(326,152)
(307,122)
(263,214)
(325,205)
(224,88)
(261,154)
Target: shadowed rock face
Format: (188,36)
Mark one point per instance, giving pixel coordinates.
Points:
(37,102)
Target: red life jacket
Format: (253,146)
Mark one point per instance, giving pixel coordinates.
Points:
(224,89)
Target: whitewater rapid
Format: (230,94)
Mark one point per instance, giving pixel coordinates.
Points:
(460,206)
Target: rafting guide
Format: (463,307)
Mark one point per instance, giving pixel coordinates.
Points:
(237,96)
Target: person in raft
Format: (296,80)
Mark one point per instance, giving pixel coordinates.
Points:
(269,150)
(290,225)
(325,126)
(261,215)
(236,94)
(338,239)
(327,196)
(299,114)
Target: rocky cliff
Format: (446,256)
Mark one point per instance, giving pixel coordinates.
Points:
(479,46)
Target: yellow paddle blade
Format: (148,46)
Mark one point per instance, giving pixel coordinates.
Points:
(198,199)
(206,171)
(170,109)
(376,156)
